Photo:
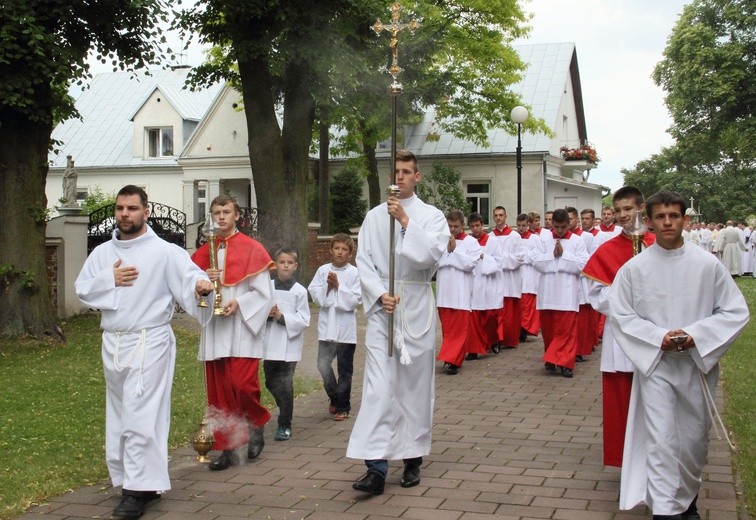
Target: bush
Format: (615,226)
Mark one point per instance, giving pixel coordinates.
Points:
(96,198)
(348,207)
(442,188)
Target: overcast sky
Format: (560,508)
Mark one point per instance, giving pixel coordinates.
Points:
(618,44)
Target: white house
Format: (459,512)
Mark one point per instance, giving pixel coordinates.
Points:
(187,147)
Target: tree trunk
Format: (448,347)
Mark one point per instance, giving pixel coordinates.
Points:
(25,304)
(279,156)
(323,176)
(373,179)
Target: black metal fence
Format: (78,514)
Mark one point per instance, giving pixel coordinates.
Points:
(249,224)
(167,222)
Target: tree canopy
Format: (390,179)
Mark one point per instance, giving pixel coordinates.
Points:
(296,59)
(709,76)
(44,46)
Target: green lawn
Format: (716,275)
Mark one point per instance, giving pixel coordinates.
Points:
(738,376)
(52,414)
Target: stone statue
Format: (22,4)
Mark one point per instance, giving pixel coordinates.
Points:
(69,183)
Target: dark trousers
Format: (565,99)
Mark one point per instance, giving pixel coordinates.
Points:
(279,380)
(381,465)
(339,390)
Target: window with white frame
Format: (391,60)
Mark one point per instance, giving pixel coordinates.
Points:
(160,142)
(202,199)
(81,194)
(478,196)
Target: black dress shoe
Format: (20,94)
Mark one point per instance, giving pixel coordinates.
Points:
(523,335)
(130,506)
(550,367)
(471,356)
(579,358)
(227,459)
(452,369)
(496,348)
(411,476)
(668,517)
(566,372)
(372,482)
(256,442)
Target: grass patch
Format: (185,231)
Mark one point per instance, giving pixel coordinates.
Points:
(53,409)
(738,375)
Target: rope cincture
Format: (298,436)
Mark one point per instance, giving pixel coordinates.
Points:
(402,324)
(711,407)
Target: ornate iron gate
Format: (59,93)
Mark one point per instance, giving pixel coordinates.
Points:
(247,224)
(167,222)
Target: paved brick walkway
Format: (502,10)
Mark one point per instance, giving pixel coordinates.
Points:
(509,440)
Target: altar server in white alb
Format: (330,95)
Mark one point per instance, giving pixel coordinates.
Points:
(677,311)
(396,415)
(136,279)
(284,336)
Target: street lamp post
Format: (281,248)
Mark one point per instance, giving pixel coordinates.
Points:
(519,115)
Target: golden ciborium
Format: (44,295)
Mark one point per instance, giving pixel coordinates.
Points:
(210,232)
(637,231)
(203,441)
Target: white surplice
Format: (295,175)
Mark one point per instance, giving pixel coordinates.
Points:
(559,285)
(454,280)
(283,342)
(337,320)
(512,258)
(396,415)
(532,248)
(667,431)
(488,277)
(139,350)
(242,335)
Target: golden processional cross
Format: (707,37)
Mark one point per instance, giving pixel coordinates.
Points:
(394,28)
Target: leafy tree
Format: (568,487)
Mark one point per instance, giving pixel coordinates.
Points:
(461,62)
(719,194)
(96,198)
(43,48)
(288,54)
(348,207)
(296,56)
(709,75)
(442,188)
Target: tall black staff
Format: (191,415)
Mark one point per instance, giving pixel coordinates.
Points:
(394,90)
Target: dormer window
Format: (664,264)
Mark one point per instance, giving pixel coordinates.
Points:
(160,142)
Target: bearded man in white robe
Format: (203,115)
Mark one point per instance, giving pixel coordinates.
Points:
(136,279)
(674,337)
(396,415)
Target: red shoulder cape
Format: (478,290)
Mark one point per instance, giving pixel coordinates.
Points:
(503,232)
(603,264)
(245,257)
(483,240)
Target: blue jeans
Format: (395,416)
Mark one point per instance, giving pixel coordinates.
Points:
(339,390)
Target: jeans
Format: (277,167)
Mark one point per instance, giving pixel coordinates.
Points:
(339,391)
(381,465)
(279,380)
